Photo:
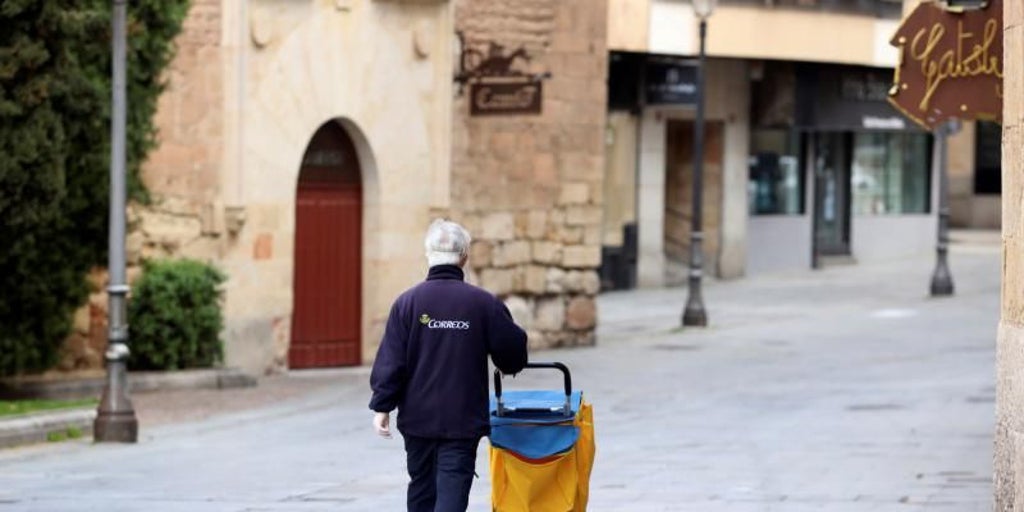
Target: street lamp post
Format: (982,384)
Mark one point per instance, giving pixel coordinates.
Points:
(115,418)
(695,314)
(942,278)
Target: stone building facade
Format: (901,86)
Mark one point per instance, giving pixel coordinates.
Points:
(274,107)
(251,84)
(1009,443)
(774,103)
(530,186)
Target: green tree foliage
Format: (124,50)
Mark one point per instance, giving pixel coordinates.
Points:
(176,316)
(55,62)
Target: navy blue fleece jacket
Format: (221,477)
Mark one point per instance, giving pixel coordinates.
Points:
(432,362)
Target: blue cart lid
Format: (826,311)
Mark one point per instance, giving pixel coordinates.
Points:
(534,407)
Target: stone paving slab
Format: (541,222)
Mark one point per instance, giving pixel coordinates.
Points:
(841,390)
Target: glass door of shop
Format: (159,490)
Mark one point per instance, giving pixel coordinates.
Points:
(831,161)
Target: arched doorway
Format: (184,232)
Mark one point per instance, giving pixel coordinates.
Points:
(328,240)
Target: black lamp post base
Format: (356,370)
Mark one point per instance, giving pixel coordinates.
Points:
(115,417)
(116,427)
(942,282)
(695,318)
(942,278)
(695,315)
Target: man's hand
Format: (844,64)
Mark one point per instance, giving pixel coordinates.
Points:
(381,423)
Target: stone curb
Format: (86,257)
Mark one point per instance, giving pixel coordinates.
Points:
(35,428)
(217,378)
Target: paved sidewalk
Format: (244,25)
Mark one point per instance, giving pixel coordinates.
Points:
(841,390)
(163,396)
(187,406)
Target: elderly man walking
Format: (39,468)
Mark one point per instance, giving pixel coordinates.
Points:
(432,366)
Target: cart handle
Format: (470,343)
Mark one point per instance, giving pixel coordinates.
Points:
(554,366)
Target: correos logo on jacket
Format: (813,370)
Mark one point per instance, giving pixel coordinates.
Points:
(431,323)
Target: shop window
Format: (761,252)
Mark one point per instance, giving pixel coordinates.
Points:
(776,184)
(988,159)
(890,173)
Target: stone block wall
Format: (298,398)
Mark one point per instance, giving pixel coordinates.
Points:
(185,166)
(530,187)
(181,174)
(961,175)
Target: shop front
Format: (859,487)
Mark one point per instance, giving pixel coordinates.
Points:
(836,174)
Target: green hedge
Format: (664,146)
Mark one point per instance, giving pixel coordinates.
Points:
(175,317)
(54,155)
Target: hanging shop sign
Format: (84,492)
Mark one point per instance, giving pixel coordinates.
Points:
(950,63)
(498,84)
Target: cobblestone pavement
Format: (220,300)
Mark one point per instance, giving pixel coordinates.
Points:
(839,390)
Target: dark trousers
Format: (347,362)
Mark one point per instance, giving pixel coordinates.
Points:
(440,472)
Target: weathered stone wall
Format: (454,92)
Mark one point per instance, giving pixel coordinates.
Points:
(968,209)
(249,86)
(383,71)
(530,187)
(83,349)
(1009,443)
(961,175)
(181,174)
(183,171)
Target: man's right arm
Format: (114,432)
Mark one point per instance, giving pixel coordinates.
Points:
(387,379)
(506,341)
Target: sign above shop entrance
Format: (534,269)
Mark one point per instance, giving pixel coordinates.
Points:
(845,98)
(670,81)
(950,64)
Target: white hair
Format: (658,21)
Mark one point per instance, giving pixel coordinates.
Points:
(447,243)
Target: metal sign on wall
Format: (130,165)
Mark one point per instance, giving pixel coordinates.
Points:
(496,86)
(950,64)
(493,98)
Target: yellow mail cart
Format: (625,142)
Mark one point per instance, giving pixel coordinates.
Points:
(542,447)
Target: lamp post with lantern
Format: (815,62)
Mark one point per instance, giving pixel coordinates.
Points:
(694,315)
(115,417)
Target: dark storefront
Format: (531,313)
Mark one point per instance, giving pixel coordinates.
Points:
(831,125)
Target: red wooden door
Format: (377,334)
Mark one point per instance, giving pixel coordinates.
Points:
(328,225)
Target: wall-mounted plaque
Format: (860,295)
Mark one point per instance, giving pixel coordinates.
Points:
(492,98)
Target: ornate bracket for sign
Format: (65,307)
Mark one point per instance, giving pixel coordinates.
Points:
(959,6)
(494,63)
